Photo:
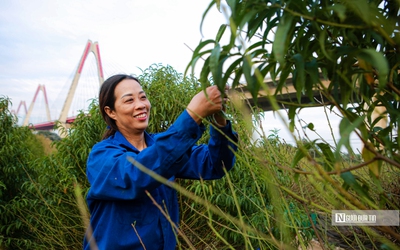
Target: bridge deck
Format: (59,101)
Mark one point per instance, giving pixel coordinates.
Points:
(288,94)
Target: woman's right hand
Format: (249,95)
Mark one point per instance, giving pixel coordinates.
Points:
(205,103)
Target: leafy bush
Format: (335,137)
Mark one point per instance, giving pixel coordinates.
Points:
(19,147)
(169,92)
(45,204)
(265,202)
(347,53)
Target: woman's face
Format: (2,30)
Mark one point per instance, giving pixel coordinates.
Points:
(131,108)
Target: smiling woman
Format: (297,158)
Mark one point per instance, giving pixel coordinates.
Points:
(122,215)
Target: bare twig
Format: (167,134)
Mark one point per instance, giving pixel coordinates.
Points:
(170,221)
(137,234)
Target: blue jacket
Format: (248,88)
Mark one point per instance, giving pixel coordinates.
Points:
(122,215)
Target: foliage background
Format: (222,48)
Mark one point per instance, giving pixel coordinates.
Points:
(353,46)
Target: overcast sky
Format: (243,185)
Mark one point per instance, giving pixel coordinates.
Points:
(41,42)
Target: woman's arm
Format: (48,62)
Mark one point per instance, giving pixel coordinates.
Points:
(208,161)
(112,176)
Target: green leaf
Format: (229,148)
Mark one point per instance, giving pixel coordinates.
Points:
(299,75)
(255,45)
(291,116)
(204,74)
(264,70)
(322,39)
(215,68)
(310,126)
(221,31)
(311,69)
(374,167)
(218,2)
(248,16)
(271,24)
(328,154)
(205,14)
(345,129)
(238,75)
(279,48)
(258,52)
(197,55)
(300,153)
(340,10)
(297,157)
(296,177)
(251,81)
(379,62)
(286,70)
(257,22)
(232,5)
(351,181)
(231,70)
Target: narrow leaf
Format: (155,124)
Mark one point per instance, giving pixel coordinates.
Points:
(221,31)
(279,47)
(297,157)
(345,129)
(350,180)
(300,153)
(340,10)
(231,70)
(328,154)
(214,64)
(300,75)
(204,74)
(373,166)
(379,62)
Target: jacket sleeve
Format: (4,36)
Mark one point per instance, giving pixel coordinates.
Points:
(208,161)
(113,177)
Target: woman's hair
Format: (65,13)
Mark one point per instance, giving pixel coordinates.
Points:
(107,98)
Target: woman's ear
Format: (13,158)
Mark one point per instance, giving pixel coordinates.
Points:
(109,112)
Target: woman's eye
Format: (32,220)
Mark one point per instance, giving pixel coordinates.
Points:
(129,100)
(143,97)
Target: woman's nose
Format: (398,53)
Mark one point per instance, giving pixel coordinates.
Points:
(140,105)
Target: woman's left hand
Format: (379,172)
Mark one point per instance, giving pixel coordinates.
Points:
(219,117)
(205,103)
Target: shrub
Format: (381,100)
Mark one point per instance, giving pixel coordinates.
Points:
(19,147)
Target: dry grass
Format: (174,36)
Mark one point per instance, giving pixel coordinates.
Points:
(48,147)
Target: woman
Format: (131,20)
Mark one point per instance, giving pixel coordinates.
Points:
(122,215)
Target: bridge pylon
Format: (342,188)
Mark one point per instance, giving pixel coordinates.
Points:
(21,103)
(28,114)
(90,47)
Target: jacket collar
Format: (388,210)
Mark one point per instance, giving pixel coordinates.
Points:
(125,143)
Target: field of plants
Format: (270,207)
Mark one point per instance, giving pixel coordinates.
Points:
(266,202)
(278,196)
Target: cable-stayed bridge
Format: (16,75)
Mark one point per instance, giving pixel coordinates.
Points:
(79,93)
(85,86)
